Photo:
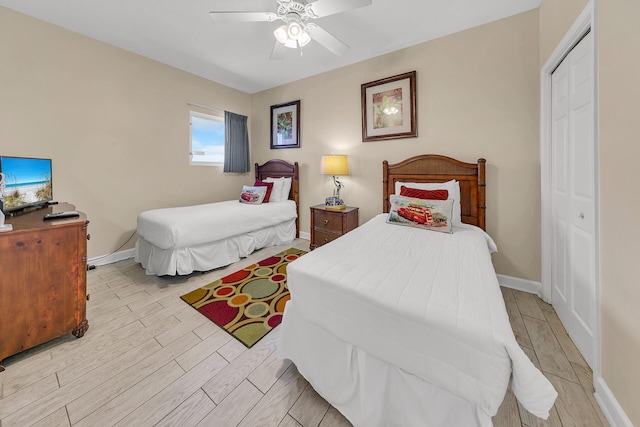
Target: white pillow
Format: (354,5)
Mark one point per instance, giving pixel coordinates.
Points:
(281,188)
(453,187)
(276,191)
(286,188)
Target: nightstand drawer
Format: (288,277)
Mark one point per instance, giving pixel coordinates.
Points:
(322,237)
(328,221)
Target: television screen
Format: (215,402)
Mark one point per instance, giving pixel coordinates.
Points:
(27,182)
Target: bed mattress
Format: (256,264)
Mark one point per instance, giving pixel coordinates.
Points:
(189,226)
(428,303)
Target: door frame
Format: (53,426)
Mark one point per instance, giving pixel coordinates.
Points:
(585,22)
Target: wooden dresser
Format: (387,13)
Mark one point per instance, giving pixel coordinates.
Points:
(43,279)
(328,225)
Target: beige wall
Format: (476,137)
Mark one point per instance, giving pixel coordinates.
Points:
(618,42)
(97,111)
(477,96)
(114,123)
(556,16)
(619,68)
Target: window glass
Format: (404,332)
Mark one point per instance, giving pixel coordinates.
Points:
(207,139)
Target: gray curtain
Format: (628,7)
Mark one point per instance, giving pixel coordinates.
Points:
(236,143)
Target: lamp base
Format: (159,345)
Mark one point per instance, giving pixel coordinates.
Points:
(336,207)
(334,203)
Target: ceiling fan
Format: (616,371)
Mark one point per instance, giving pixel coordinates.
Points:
(297,31)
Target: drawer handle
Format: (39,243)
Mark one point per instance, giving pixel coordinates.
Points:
(88,236)
(326,240)
(325,222)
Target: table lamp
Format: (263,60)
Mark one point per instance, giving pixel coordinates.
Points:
(335,164)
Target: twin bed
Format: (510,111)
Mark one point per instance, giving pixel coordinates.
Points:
(398,326)
(203,237)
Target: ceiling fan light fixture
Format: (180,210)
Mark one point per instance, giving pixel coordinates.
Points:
(293,33)
(281,34)
(291,43)
(304,39)
(295,27)
(294,30)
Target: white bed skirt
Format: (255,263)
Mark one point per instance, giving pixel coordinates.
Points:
(366,390)
(212,255)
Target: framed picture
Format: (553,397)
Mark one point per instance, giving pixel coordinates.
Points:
(389,108)
(285,125)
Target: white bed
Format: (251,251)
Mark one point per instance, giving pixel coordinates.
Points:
(397,326)
(203,237)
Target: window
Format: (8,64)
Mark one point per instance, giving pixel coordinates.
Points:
(207,139)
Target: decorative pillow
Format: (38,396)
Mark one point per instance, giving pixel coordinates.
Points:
(252,195)
(276,191)
(453,187)
(424,194)
(427,214)
(269,186)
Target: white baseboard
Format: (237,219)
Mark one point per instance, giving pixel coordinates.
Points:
(111,258)
(518,284)
(611,409)
(305,235)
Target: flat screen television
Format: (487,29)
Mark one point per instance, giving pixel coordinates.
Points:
(27,182)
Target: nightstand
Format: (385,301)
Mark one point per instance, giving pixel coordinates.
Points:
(328,225)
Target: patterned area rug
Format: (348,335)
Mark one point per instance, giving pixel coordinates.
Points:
(250,302)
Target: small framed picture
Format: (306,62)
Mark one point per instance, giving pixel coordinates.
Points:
(285,125)
(389,108)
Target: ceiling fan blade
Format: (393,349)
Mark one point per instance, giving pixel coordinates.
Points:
(278,50)
(322,8)
(327,40)
(243,16)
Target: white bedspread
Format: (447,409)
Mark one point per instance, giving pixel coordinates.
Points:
(426,302)
(188,226)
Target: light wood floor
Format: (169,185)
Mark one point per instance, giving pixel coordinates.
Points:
(150,359)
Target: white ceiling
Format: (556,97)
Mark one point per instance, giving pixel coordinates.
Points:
(181,33)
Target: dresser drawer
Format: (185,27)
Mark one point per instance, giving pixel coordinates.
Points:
(328,221)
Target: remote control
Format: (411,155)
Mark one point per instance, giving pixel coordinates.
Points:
(60,215)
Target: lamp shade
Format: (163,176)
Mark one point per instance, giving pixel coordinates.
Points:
(335,164)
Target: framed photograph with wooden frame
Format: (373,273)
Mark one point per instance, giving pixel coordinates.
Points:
(389,108)
(285,125)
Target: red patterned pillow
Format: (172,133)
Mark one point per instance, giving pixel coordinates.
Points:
(269,186)
(424,194)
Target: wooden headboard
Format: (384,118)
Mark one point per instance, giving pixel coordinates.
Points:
(436,168)
(279,168)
